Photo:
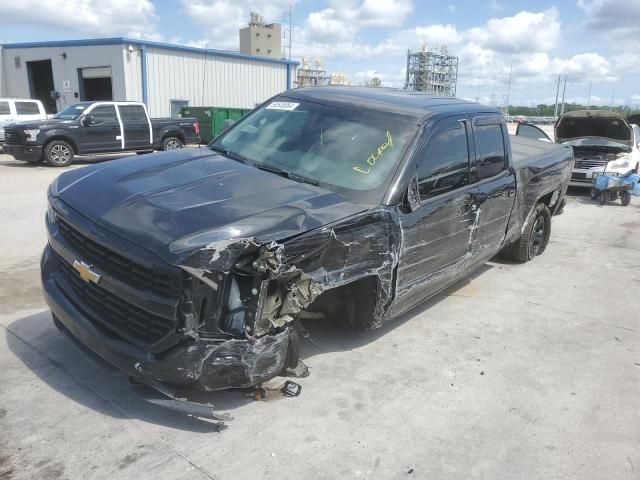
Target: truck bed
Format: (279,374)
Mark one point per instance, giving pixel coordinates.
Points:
(526,151)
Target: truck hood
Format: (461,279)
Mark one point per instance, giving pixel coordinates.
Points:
(175,203)
(593,123)
(43,124)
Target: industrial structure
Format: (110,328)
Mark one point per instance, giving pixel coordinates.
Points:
(259,38)
(312,77)
(164,76)
(432,71)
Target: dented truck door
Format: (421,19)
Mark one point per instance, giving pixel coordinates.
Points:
(437,234)
(496,186)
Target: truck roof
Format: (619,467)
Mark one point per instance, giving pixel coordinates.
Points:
(412,104)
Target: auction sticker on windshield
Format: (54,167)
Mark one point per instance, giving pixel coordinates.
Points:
(282,106)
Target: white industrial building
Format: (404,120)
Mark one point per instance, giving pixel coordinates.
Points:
(164,76)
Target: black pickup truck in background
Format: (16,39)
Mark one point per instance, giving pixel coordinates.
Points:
(97,127)
(192,269)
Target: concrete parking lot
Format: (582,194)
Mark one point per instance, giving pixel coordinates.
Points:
(520,372)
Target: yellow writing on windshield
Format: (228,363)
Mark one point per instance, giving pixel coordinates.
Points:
(373,158)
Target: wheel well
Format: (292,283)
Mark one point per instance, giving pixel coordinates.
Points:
(546,199)
(176,134)
(351,306)
(64,139)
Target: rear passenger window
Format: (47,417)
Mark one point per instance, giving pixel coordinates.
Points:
(104,114)
(490,146)
(4,108)
(132,113)
(27,108)
(444,165)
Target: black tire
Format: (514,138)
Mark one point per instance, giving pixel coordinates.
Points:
(593,194)
(58,153)
(534,239)
(604,197)
(625,197)
(171,143)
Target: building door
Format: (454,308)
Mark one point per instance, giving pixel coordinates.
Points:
(41,83)
(95,83)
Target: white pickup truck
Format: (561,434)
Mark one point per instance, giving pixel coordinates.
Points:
(602,141)
(14,110)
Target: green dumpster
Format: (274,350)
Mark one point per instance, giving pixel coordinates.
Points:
(212,119)
(203,114)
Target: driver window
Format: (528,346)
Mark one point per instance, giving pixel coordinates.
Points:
(104,114)
(444,165)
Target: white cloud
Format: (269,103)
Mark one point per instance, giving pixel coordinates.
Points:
(136,18)
(221,19)
(523,32)
(344,18)
(617,16)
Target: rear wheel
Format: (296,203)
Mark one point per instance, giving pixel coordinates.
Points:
(534,239)
(58,153)
(604,197)
(171,143)
(625,197)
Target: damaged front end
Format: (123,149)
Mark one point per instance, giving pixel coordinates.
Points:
(243,297)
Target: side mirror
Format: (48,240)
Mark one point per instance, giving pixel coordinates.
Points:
(87,120)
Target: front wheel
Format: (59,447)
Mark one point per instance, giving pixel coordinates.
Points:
(171,143)
(58,153)
(625,197)
(534,239)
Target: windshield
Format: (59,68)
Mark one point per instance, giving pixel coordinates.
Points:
(71,112)
(345,150)
(597,142)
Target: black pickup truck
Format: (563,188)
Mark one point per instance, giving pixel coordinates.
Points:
(97,127)
(193,269)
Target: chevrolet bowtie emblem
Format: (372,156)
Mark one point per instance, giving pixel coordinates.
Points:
(85,272)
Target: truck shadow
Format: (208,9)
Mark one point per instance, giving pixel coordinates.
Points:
(89,381)
(329,337)
(77,162)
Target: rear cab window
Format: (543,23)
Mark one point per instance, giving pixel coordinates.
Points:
(5,108)
(27,108)
(132,113)
(443,164)
(491,154)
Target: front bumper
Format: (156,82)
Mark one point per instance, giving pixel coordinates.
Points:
(29,153)
(199,363)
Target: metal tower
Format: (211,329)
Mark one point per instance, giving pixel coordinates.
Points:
(432,71)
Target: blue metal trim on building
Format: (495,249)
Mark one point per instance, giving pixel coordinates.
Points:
(288,77)
(146,43)
(143,75)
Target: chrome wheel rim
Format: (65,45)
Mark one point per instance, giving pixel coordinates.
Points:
(60,154)
(537,237)
(173,144)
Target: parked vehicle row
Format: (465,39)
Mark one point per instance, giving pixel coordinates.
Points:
(94,128)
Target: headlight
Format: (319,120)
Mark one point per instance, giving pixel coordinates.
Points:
(32,134)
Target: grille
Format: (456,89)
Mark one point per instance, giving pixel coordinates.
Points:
(578,176)
(11,136)
(591,163)
(112,311)
(120,267)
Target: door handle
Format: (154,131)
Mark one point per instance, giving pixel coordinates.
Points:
(468,208)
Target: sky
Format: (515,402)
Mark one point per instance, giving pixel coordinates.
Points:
(595,43)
